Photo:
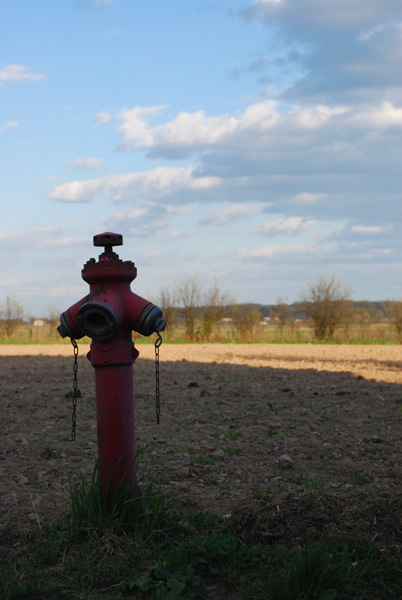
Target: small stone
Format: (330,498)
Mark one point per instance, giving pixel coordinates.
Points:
(219,452)
(183,472)
(286,461)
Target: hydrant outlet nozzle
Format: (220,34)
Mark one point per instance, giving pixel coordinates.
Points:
(97,321)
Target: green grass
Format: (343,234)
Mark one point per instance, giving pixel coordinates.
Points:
(146,547)
(205,460)
(379,333)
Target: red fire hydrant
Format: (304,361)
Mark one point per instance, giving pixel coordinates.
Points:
(108,315)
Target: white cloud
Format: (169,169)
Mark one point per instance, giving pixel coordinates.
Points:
(314,116)
(19,73)
(306,198)
(265,3)
(286,226)
(102,117)
(277,250)
(43,236)
(261,125)
(159,182)
(180,234)
(134,125)
(233,212)
(370,230)
(346,50)
(8,125)
(271,152)
(86,163)
(192,129)
(334,15)
(377,117)
(138,221)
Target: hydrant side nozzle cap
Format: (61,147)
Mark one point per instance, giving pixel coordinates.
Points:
(68,328)
(159,325)
(150,320)
(62,332)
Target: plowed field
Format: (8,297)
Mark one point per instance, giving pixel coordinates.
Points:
(288,439)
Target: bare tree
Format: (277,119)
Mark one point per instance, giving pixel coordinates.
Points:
(189,296)
(395,313)
(365,321)
(53,318)
(348,320)
(215,304)
(168,303)
(245,320)
(325,303)
(11,313)
(282,314)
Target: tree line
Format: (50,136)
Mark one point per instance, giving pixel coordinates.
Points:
(324,305)
(195,312)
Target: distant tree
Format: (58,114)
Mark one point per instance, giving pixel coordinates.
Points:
(325,303)
(53,318)
(11,313)
(245,321)
(214,306)
(189,296)
(395,313)
(365,320)
(168,303)
(282,314)
(347,320)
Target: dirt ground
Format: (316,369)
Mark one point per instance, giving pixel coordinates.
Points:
(290,441)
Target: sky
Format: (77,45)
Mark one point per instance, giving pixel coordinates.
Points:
(252,144)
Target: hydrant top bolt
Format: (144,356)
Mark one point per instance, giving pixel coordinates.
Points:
(108,240)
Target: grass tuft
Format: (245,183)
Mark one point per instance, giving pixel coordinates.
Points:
(139,514)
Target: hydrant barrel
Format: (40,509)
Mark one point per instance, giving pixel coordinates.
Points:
(116,428)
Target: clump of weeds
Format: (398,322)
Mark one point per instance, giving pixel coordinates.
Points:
(232,435)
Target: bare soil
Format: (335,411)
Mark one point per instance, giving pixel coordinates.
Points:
(290,441)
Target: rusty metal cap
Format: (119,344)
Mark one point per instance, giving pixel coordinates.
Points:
(108,240)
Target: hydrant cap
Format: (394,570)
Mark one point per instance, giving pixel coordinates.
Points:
(108,239)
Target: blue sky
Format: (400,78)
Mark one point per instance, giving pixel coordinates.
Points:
(252,143)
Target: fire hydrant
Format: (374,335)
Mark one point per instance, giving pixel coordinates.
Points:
(108,315)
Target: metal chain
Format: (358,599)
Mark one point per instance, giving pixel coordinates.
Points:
(75,386)
(158,343)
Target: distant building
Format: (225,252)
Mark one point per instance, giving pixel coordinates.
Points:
(38,323)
